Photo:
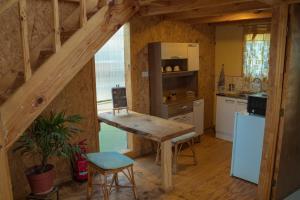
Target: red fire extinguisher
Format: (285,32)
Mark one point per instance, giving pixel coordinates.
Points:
(80,163)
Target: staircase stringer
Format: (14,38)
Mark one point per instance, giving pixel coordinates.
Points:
(19,111)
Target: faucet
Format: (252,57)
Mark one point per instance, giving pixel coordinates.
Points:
(258,81)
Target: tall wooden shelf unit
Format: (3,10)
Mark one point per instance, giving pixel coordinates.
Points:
(163,83)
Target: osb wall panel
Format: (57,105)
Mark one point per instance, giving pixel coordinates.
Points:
(77,98)
(39,17)
(145,30)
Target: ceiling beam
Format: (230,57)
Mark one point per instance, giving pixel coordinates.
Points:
(274,2)
(160,7)
(216,11)
(269,2)
(242,16)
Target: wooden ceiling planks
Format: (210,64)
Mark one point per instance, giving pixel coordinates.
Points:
(161,7)
(241,16)
(206,11)
(218,10)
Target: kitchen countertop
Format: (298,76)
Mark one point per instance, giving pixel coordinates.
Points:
(236,96)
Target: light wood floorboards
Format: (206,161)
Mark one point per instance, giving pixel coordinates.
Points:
(209,180)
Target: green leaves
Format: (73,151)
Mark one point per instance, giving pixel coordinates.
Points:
(50,136)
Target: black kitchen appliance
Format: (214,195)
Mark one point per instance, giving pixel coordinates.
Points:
(257,104)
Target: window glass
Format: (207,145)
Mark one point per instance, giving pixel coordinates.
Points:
(256,55)
(110,67)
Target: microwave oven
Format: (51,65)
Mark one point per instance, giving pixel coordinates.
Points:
(257,104)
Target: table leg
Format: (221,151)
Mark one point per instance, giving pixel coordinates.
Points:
(166,165)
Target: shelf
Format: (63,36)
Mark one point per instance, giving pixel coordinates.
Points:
(177,74)
(181,100)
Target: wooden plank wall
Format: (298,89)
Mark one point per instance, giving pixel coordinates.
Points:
(152,29)
(287,173)
(77,98)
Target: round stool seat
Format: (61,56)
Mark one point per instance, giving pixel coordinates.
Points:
(109,160)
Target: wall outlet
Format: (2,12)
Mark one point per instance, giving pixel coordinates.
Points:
(145,74)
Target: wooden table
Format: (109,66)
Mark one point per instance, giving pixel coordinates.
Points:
(153,128)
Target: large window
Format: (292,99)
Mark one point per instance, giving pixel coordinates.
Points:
(256,55)
(110,67)
(110,71)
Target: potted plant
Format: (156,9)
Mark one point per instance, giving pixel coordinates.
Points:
(47,137)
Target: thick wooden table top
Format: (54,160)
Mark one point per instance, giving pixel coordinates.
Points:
(151,127)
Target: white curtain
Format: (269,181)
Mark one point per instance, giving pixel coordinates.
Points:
(110,67)
(256,55)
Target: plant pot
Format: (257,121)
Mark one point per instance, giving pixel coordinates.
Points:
(41,183)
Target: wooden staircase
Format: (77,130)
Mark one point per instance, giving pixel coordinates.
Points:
(71,50)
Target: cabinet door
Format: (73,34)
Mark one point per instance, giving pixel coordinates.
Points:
(173,50)
(225,115)
(241,105)
(198,109)
(193,56)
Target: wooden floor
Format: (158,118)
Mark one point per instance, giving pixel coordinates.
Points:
(208,180)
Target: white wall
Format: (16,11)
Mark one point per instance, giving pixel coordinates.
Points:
(228,51)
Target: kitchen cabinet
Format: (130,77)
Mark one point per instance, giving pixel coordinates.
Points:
(196,117)
(198,107)
(174,51)
(193,56)
(163,84)
(226,108)
(241,105)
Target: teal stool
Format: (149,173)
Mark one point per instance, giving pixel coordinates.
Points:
(109,163)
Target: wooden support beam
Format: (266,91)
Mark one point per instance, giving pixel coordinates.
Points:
(47,82)
(286,171)
(173,6)
(24,38)
(5,183)
(56,26)
(218,10)
(277,59)
(83,16)
(166,165)
(243,16)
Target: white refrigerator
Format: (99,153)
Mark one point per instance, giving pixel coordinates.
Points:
(247,146)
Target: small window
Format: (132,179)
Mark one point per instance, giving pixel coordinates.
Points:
(256,55)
